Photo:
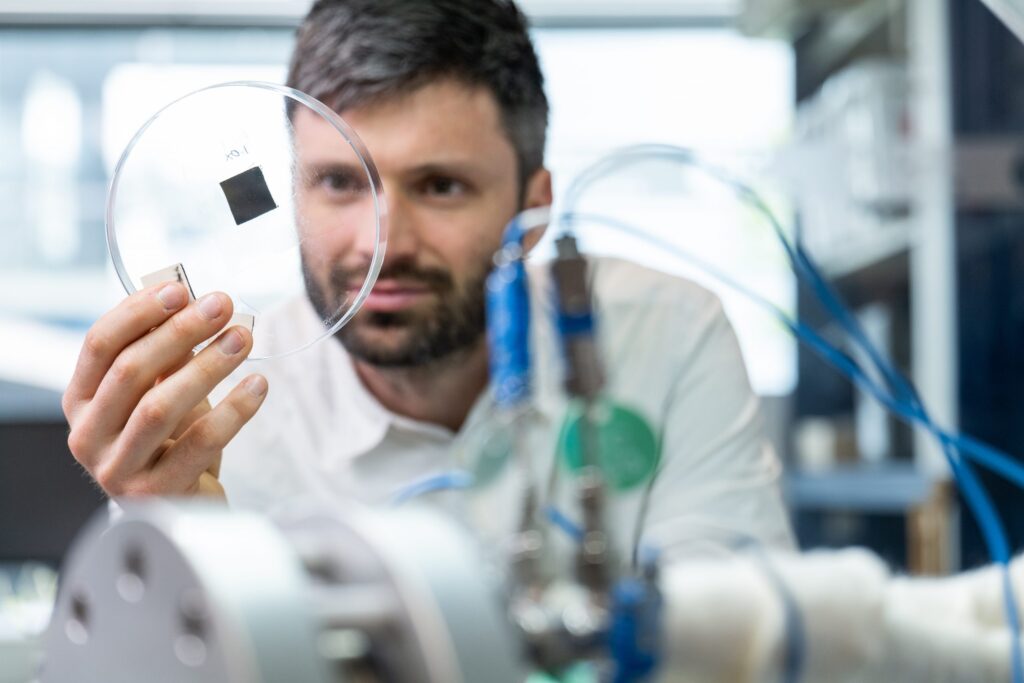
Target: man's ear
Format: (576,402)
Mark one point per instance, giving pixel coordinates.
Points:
(538,193)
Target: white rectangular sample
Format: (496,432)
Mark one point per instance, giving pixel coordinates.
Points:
(242,320)
(175,273)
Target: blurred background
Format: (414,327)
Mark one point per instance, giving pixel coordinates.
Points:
(887,134)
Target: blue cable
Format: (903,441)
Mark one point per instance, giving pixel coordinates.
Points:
(443,481)
(795,653)
(901,399)
(911,413)
(507,302)
(988,456)
(801,262)
(907,406)
(562,522)
(794,657)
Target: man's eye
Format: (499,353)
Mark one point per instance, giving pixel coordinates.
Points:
(341,184)
(444,187)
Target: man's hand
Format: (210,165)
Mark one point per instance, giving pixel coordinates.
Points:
(141,423)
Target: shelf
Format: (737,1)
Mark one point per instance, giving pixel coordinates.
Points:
(288,13)
(887,489)
(845,20)
(862,253)
(26,403)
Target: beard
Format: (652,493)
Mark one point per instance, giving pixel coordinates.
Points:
(455,320)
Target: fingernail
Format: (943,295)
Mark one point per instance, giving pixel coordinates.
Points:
(172,297)
(210,306)
(231,343)
(256,385)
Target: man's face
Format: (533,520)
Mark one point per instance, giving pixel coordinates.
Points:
(450,184)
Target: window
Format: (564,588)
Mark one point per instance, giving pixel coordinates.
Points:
(70,98)
(724,95)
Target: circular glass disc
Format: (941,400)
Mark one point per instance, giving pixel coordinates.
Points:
(258,191)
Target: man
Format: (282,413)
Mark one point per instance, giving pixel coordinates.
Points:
(448,97)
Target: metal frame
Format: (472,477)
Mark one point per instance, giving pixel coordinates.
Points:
(288,13)
(1011,13)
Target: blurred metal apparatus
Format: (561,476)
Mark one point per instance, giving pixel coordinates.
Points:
(173,593)
(1011,13)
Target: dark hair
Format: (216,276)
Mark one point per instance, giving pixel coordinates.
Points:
(354,52)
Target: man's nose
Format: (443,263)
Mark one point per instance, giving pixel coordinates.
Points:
(398,216)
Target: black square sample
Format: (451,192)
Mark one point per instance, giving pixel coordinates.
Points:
(248,195)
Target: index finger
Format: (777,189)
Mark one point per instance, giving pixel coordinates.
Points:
(115,330)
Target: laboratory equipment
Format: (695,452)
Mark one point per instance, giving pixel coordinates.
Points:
(183,591)
(407,595)
(558,630)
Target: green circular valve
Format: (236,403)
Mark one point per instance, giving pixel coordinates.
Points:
(627,447)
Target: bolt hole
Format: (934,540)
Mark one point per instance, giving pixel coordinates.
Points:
(190,650)
(77,626)
(135,562)
(192,607)
(131,584)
